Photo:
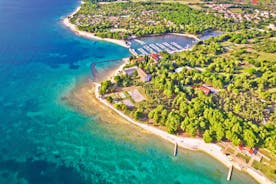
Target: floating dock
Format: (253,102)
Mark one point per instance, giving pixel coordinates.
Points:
(177,45)
(169,46)
(155,47)
(230,173)
(132,51)
(142,51)
(150,50)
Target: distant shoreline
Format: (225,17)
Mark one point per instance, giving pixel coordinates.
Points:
(123,43)
(74,28)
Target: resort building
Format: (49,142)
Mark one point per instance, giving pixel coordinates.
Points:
(213,90)
(130,71)
(205,90)
(143,75)
(179,69)
(155,57)
(139,59)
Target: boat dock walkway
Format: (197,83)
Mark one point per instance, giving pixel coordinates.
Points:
(230,173)
(142,51)
(175,149)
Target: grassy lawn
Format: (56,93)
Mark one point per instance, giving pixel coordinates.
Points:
(244,157)
(230,150)
(265,166)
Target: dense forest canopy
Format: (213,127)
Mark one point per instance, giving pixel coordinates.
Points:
(123,19)
(243,109)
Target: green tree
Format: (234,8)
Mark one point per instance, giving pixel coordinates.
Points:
(173,122)
(207,136)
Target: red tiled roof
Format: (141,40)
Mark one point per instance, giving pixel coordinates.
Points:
(205,90)
(140,59)
(155,57)
(254,1)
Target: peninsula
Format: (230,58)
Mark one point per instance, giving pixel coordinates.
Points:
(219,97)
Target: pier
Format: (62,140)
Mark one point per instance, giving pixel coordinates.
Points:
(230,173)
(150,50)
(155,47)
(169,46)
(177,45)
(142,51)
(132,51)
(175,149)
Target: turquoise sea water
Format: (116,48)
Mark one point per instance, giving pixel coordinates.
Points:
(45,141)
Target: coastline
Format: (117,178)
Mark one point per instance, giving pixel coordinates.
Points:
(85,34)
(88,35)
(195,144)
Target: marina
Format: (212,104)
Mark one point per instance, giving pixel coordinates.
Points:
(170,43)
(157,44)
(158,47)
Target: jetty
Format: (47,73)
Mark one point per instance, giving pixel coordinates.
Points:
(230,173)
(175,149)
(93,69)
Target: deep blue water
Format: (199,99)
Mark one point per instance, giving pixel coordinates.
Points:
(43,140)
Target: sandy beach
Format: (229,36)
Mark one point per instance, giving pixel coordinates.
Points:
(72,27)
(196,144)
(188,143)
(86,99)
